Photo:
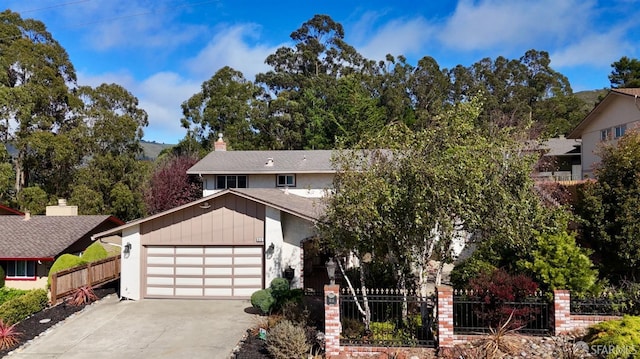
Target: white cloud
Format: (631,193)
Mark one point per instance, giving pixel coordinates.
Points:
(596,50)
(487,24)
(397,37)
(229,47)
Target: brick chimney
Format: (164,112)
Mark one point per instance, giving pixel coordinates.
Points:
(220,145)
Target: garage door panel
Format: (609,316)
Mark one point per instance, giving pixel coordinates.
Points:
(221,261)
(190,292)
(204,271)
(196,261)
(252,271)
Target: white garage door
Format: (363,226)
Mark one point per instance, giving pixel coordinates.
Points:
(203,271)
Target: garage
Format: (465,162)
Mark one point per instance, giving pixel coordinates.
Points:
(203,271)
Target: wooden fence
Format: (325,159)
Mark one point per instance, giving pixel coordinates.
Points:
(92,274)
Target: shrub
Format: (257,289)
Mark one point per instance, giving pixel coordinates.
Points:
(287,340)
(63,262)
(94,252)
(8,335)
(279,290)
(2,275)
(558,262)
(21,307)
(620,338)
(383,330)
(7,294)
(83,295)
(470,268)
(352,328)
(262,300)
(495,290)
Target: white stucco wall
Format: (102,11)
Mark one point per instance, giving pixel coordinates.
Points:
(307,184)
(131,265)
(286,232)
(295,230)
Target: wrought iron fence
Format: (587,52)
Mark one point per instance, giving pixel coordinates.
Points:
(473,315)
(604,304)
(398,318)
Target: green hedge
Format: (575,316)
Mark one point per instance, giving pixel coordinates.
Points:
(6,294)
(94,252)
(21,307)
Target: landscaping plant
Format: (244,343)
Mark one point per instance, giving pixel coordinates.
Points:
(262,300)
(83,295)
(23,306)
(287,340)
(94,252)
(616,338)
(8,335)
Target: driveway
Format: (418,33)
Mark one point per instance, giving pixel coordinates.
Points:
(146,329)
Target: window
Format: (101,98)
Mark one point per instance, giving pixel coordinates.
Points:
(231,182)
(286,180)
(620,130)
(21,269)
(605,134)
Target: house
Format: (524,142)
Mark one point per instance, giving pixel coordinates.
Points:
(30,244)
(228,244)
(618,112)
(304,173)
(560,159)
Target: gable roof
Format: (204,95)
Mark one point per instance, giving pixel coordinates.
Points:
(307,208)
(4,210)
(264,162)
(596,111)
(45,237)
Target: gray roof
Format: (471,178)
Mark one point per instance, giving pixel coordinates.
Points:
(45,236)
(561,146)
(258,162)
(309,208)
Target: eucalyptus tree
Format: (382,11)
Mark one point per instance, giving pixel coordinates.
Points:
(36,77)
(227,104)
(301,79)
(114,125)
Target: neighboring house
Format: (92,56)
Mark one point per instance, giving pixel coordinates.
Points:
(8,211)
(617,113)
(560,160)
(226,245)
(30,244)
(304,173)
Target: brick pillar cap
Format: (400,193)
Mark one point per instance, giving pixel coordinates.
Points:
(444,287)
(332,287)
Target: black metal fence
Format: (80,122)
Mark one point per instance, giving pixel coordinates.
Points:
(473,315)
(604,304)
(398,318)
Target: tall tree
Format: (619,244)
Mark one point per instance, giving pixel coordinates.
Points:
(115,129)
(300,79)
(35,75)
(625,73)
(227,104)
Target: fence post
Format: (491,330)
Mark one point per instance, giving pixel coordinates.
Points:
(562,311)
(89,276)
(332,326)
(54,288)
(445,316)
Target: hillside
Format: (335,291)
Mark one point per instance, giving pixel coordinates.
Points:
(153,149)
(591,97)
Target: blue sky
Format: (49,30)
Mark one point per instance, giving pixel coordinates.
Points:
(162,50)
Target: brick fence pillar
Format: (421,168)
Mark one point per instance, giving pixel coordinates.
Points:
(445,316)
(332,326)
(562,311)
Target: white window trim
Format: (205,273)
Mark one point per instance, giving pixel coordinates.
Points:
(286,177)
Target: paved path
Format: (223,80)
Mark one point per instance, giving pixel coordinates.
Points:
(148,328)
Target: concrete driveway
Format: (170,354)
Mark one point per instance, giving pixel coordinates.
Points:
(146,329)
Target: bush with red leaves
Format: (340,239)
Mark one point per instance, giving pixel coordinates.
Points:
(499,291)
